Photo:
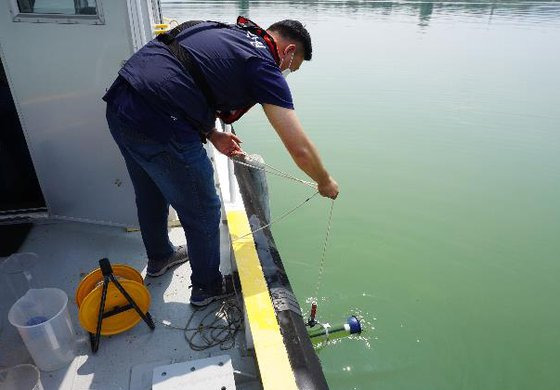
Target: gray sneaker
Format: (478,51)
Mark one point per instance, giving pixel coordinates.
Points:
(159,267)
(201,297)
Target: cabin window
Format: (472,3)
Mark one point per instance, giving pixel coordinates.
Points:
(60,7)
(57,11)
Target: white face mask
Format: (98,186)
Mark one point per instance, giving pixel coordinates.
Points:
(287,71)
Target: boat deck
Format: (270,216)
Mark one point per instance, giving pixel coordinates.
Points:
(69,250)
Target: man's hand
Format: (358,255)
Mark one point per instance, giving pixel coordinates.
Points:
(328,189)
(226,143)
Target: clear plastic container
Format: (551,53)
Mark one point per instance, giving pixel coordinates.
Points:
(16,277)
(21,377)
(43,322)
(18,274)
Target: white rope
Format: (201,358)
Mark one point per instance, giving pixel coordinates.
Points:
(321,266)
(262,166)
(250,161)
(281,217)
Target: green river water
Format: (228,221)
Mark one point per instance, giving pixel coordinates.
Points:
(441,123)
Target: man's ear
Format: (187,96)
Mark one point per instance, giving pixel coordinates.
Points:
(291,48)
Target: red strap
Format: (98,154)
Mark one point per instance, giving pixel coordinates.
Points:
(232,116)
(254,28)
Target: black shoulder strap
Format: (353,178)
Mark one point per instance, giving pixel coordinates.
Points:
(168,36)
(185,58)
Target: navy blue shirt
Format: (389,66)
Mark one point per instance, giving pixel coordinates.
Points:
(157,96)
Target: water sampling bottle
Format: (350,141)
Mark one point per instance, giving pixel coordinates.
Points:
(326,332)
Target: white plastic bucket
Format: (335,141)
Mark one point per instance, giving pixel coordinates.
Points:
(41,318)
(21,377)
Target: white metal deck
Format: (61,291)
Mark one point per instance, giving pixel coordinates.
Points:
(67,251)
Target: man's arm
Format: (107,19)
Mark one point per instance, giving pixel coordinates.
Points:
(300,147)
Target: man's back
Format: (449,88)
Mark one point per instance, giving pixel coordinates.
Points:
(238,67)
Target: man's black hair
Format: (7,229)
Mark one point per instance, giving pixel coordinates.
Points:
(294,30)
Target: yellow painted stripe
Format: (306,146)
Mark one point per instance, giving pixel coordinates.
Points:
(272,357)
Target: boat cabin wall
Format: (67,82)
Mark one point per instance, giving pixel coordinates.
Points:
(59,62)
